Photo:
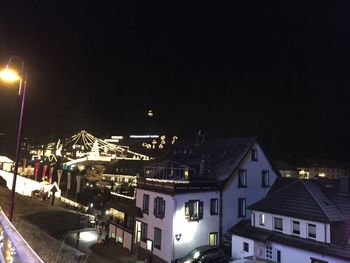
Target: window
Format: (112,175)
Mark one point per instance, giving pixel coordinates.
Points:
(159,207)
(145,204)
(213,239)
(149,245)
(245,247)
(269,252)
(254,155)
(242,178)
(194,210)
(157,238)
(214,206)
(311,230)
(143,231)
(278,256)
(315,260)
(296,228)
(261,219)
(128,221)
(278,223)
(241,207)
(265,179)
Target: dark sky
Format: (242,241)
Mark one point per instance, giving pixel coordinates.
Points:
(276,69)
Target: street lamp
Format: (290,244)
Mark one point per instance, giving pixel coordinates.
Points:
(11,75)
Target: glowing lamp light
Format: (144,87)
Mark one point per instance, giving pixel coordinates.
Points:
(9,75)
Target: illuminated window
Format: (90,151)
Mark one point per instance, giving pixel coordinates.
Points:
(242,178)
(145,203)
(159,207)
(245,247)
(296,227)
(149,245)
(254,155)
(213,239)
(311,230)
(157,238)
(194,210)
(265,179)
(241,207)
(144,231)
(214,206)
(117,216)
(278,223)
(261,219)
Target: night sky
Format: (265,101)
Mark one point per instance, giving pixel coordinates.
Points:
(279,70)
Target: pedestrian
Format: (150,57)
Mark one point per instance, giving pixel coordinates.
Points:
(106,241)
(77,239)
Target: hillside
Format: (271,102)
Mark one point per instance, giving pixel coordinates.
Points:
(37,221)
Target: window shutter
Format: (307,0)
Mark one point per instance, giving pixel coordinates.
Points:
(163,209)
(187,210)
(200,210)
(155,206)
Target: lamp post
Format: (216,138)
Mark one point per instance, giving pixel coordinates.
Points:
(12,76)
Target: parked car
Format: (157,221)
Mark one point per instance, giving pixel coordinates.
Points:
(204,254)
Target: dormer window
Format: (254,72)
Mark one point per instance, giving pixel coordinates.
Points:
(261,219)
(278,223)
(254,155)
(296,227)
(311,231)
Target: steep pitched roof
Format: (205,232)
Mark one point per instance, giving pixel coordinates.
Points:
(300,199)
(219,157)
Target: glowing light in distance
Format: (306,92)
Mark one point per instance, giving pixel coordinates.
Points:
(143,136)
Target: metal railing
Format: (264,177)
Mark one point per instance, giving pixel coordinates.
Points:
(14,248)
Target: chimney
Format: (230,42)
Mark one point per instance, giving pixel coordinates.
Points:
(344,185)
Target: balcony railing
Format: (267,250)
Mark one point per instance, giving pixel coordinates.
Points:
(13,247)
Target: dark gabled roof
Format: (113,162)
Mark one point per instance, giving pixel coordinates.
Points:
(304,199)
(220,157)
(244,229)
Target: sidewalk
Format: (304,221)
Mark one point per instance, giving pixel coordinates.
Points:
(115,252)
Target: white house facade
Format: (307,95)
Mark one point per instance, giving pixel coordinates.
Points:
(299,221)
(177,217)
(250,182)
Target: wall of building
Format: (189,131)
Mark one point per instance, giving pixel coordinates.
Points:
(120,236)
(322,229)
(252,193)
(194,233)
(288,254)
(165,224)
(237,247)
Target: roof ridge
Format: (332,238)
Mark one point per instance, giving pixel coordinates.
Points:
(308,188)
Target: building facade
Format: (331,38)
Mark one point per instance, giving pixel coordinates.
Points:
(298,221)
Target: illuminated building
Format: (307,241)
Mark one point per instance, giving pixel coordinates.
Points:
(197,192)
